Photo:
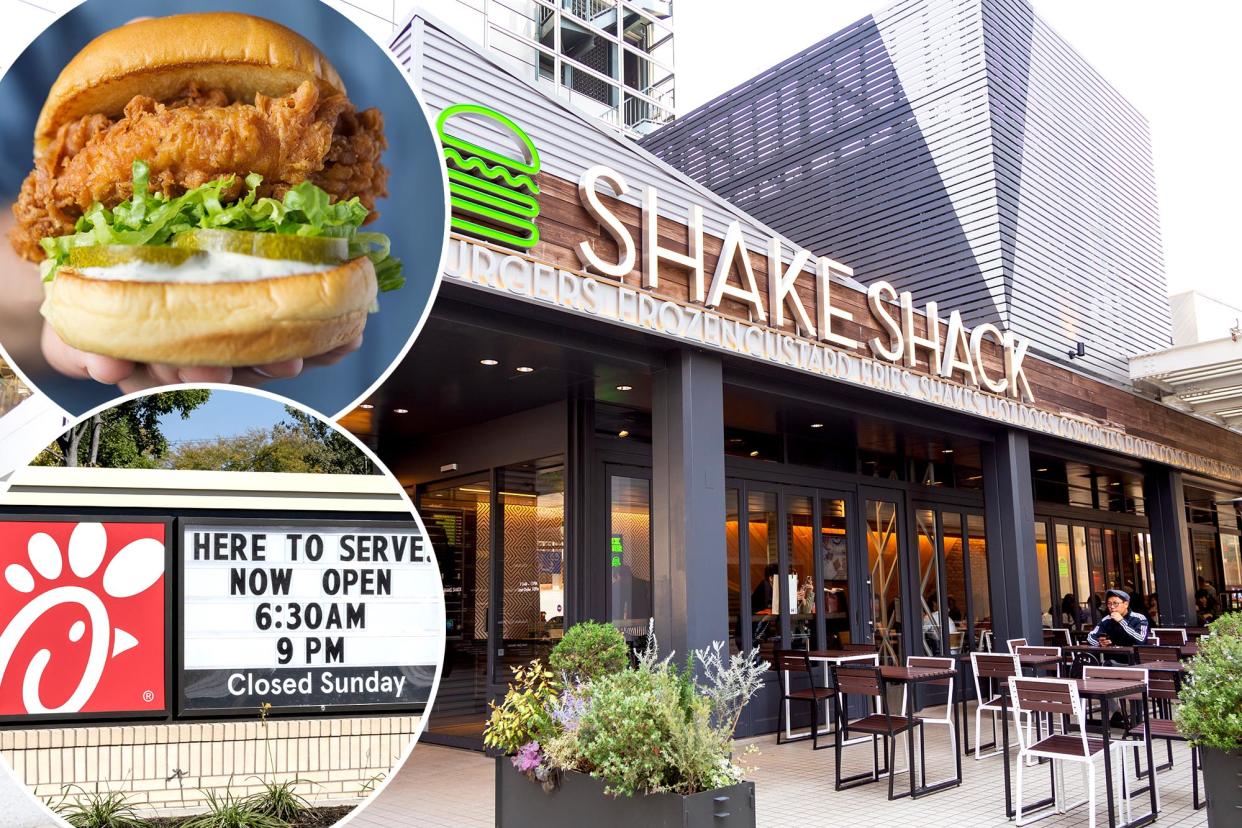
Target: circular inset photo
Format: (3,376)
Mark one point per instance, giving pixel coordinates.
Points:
(213,191)
(215,609)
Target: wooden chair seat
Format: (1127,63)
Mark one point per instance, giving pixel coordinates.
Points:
(1067,745)
(812,693)
(879,723)
(1160,729)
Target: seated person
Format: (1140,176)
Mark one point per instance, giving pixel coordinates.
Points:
(1121,627)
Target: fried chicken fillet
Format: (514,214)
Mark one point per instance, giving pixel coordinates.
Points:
(195,138)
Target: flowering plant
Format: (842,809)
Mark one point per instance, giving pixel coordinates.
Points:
(651,727)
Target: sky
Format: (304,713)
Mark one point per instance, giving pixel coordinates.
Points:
(225,414)
(1178,63)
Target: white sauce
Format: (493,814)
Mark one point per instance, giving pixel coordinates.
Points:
(212,267)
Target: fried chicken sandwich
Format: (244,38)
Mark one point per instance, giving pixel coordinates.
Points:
(199,186)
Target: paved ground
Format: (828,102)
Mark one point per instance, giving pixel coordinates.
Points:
(446,787)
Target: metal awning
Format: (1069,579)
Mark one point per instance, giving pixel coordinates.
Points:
(1204,378)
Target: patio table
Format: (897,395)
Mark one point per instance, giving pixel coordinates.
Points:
(825,658)
(1028,662)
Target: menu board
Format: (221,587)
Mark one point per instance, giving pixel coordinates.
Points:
(308,615)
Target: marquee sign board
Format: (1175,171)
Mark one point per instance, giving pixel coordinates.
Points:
(307,615)
(84,605)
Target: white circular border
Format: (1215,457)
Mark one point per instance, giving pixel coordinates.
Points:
(418,520)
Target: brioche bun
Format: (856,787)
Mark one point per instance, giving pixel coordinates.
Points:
(216,323)
(159,57)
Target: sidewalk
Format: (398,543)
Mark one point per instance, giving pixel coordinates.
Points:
(446,787)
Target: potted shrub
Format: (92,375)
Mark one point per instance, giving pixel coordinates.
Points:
(1211,714)
(648,744)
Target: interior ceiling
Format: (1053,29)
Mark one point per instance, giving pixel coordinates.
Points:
(442,384)
(758,411)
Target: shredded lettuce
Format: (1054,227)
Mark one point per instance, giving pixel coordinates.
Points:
(154,219)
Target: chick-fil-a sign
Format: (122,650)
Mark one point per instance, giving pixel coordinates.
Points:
(82,617)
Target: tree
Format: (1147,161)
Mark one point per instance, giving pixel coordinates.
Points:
(332,451)
(126,436)
(302,444)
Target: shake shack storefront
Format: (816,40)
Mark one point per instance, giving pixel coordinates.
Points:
(633,401)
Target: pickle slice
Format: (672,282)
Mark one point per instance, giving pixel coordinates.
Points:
(309,249)
(111,255)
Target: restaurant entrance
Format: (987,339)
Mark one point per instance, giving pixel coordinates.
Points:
(814,567)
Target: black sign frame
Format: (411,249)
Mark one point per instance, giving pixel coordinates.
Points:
(184,713)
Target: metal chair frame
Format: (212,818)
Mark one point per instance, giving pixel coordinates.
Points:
(1030,697)
(981,706)
(789,662)
(866,680)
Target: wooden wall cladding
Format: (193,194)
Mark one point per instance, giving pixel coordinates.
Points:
(563,223)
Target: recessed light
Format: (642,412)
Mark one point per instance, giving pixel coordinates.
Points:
(817,425)
(367,406)
(623,433)
(401,411)
(1042,470)
(489,362)
(735,440)
(524,369)
(754,453)
(946,451)
(625,388)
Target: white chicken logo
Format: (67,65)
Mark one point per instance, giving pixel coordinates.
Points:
(133,570)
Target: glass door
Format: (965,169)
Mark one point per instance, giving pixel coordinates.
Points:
(883,530)
(629,550)
(458,518)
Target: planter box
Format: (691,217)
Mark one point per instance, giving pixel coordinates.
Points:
(1222,779)
(580,799)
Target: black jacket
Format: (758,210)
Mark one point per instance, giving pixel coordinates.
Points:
(1130,630)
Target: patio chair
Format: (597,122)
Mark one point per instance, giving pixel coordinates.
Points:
(1057,637)
(985,641)
(1015,642)
(1147,652)
(860,647)
(867,681)
(1031,649)
(1163,689)
(792,665)
(992,667)
(1170,636)
(1031,697)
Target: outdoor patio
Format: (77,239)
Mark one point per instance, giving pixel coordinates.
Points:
(793,788)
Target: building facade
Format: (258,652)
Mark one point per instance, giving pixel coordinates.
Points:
(964,151)
(613,59)
(659,407)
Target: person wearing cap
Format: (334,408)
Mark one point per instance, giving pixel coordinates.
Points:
(1121,626)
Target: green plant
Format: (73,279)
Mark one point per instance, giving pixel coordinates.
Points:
(110,809)
(524,716)
(279,799)
(1211,708)
(589,650)
(225,810)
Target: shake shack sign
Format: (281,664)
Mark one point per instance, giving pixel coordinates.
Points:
(313,615)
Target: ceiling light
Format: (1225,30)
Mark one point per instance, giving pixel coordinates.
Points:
(817,425)
(754,453)
(1042,470)
(946,451)
(735,440)
(524,369)
(489,362)
(401,411)
(367,406)
(623,433)
(625,388)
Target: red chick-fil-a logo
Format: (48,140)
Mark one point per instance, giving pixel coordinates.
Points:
(81,617)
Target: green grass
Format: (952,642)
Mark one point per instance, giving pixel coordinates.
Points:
(280,800)
(97,810)
(227,811)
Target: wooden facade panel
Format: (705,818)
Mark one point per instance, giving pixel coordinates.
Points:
(564,222)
